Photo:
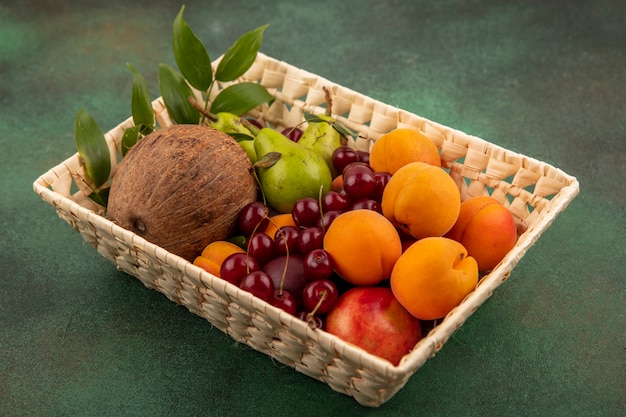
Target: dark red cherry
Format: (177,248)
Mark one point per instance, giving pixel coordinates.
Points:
(318,264)
(259,284)
(306,212)
(254,216)
(320,296)
(285,301)
(310,238)
(238,265)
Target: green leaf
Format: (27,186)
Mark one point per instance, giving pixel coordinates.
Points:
(240,98)
(176,93)
(141,104)
(239,240)
(343,129)
(313,118)
(268,160)
(130,138)
(146,130)
(239,137)
(100,196)
(338,126)
(191,56)
(92,148)
(240,56)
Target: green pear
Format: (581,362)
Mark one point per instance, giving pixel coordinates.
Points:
(231,123)
(248,146)
(323,138)
(299,171)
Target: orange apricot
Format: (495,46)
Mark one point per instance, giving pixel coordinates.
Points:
(214,254)
(337,184)
(277,221)
(422,200)
(433,276)
(487,230)
(401,146)
(364,246)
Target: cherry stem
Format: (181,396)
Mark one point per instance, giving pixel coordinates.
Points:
(258,181)
(310,315)
(282,278)
(249,241)
(319,202)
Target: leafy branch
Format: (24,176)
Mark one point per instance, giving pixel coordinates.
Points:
(195,71)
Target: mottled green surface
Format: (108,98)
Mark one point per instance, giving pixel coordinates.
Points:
(544,78)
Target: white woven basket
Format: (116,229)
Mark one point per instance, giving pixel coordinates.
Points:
(534,191)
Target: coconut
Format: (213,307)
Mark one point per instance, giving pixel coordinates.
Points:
(182,187)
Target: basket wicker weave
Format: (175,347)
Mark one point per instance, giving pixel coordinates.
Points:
(534,191)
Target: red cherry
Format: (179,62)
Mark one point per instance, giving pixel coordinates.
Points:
(293,133)
(368,204)
(326,220)
(285,301)
(318,264)
(254,216)
(306,212)
(309,239)
(381,179)
(261,247)
(255,122)
(238,265)
(314,321)
(343,156)
(359,181)
(335,201)
(364,156)
(320,296)
(286,240)
(259,284)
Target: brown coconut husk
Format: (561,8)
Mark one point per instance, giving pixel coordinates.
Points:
(182,187)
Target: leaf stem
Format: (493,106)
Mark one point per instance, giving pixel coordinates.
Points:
(206,112)
(202,110)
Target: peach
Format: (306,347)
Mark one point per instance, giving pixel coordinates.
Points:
(422,200)
(487,230)
(372,319)
(214,254)
(433,276)
(364,246)
(401,146)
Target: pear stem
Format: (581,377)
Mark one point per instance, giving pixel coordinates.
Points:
(254,129)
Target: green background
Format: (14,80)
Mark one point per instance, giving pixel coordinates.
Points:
(543,78)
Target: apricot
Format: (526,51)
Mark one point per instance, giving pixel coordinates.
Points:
(277,221)
(422,200)
(401,146)
(487,230)
(433,276)
(214,254)
(364,246)
(337,184)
